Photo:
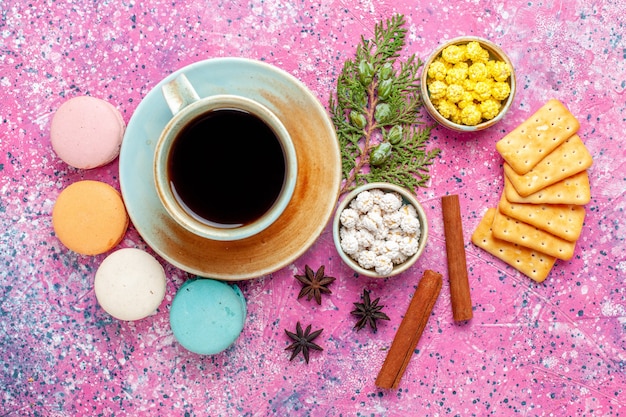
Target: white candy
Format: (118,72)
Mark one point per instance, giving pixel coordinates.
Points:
(368,223)
(390,202)
(367,259)
(383,265)
(350,244)
(410,225)
(376,210)
(392,220)
(375,217)
(396,234)
(349,218)
(378,247)
(377,194)
(343,232)
(364,202)
(391,249)
(399,259)
(365,238)
(408,210)
(382,233)
(379,231)
(408,246)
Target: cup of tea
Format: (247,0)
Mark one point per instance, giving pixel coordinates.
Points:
(225,166)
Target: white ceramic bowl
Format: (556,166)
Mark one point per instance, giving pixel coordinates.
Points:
(407,198)
(496,53)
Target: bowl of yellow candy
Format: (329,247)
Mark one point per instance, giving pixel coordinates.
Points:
(468,84)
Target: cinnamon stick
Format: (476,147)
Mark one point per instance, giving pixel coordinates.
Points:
(457,264)
(410,330)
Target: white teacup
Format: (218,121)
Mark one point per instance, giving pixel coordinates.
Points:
(225,166)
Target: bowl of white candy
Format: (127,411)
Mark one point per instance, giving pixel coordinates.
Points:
(380,229)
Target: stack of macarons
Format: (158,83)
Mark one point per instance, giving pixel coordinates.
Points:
(89,218)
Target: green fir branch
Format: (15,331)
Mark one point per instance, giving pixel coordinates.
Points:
(376,111)
(409,163)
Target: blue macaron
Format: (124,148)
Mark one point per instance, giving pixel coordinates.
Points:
(207,316)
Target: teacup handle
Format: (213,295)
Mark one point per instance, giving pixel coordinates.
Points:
(179,93)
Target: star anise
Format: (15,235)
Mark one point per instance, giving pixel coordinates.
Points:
(314,284)
(368,312)
(303,341)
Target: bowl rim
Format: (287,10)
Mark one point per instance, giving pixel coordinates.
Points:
(494,49)
(407,197)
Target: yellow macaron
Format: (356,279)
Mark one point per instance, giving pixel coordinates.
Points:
(89,217)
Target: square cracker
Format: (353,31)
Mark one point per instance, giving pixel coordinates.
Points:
(571,190)
(537,136)
(515,231)
(562,220)
(570,158)
(533,264)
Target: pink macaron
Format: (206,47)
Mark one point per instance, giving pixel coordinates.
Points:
(87,132)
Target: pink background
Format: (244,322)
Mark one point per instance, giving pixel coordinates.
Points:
(551,349)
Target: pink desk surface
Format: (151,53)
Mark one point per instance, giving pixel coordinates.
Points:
(551,349)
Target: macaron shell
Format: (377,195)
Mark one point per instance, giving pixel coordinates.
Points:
(89,217)
(130,284)
(87,132)
(207,316)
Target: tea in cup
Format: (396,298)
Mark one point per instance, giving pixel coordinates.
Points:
(225,166)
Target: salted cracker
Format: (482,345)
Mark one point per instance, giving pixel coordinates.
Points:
(562,220)
(570,158)
(524,234)
(533,264)
(571,190)
(537,136)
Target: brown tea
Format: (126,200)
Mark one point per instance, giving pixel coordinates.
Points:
(226,168)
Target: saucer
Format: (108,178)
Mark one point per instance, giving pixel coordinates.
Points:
(305,217)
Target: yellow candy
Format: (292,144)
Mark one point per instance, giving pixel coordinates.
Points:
(467,99)
(457,74)
(482,91)
(454,93)
(437,89)
(437,71)
(453,54)
(500,71)
(466,86)
(447,109)
(471,115)
(476,53)
(469,85)
(490,109)
(478,72)
(500,90)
